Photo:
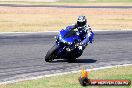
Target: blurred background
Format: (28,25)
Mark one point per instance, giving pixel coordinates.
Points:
(42,16)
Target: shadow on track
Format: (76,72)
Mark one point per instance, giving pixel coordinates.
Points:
(77,61)
(85,61)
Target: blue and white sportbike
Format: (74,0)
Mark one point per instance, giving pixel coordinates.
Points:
(68,45)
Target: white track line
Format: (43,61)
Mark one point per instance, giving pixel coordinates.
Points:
(50,75)
(25,32)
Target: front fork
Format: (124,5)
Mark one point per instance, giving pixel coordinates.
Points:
(60,51)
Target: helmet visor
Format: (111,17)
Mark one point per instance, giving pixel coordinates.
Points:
(81,23)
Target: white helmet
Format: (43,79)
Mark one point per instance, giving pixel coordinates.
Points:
(81,21)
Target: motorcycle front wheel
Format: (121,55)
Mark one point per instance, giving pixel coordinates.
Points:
(51,54)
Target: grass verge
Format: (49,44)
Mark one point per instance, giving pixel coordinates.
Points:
(86,1)
(69,3)
(31,19)
(71,80)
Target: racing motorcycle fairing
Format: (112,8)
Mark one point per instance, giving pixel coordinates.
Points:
(68,42)
(68,45)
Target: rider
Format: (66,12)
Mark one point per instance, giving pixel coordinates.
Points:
(83,28)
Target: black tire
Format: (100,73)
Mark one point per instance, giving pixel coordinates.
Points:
(51,54)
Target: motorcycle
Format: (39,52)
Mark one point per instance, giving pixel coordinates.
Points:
(68,45)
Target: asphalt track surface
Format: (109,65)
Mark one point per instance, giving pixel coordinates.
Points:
(64,6)
(22,55)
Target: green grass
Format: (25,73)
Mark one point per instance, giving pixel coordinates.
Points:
(62,2)
(72,2)
(71,80)
(30,2)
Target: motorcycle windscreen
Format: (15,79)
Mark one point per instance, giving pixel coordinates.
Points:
(70,36)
